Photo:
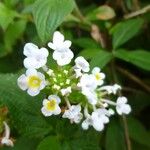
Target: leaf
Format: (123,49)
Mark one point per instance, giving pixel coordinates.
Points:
(23,143)
(101,59)
(124,31)
(11,3)
(49,14)
(86,43)
(24,110)
(137,132)
(139,58)
(102,13)
(114,136)
(86,140)
(48,143)
(6,16)
(97,57)
(14,32)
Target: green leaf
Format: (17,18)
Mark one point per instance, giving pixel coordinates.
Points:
(24,110)
(11,3)
(86,43)
(6,16)
(124,31)
(14,32)
(114,136)
(97,57)
(23,143)
(139,58)
(86,140)
(101,59)
(102,13)
(48,143)
(49,14)
(138,132)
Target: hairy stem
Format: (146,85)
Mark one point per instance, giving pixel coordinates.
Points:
(134,78)
(126,133)
(138,12)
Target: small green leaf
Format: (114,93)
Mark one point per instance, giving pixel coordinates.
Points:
(138,133)
(6,16)
(13,32)
(101,59)
(124,31)
(102,13)
(139,58)
(49,14)
(48,143)
(97,57)
(114,136)
(86,43)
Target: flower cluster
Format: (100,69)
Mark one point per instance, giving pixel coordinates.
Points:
(71,90)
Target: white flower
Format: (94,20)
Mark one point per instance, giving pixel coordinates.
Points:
(58,42)
(78,72)
(32,81)
(36,57)
(6,139)
(63,57)
(111,89)
(51,106)
(87,122)
(62,53)
(87,82)
(99,76)
(82,64)
(122,107)
(88,85)
(73,113)
(66,91)
(90,95)
(100,118)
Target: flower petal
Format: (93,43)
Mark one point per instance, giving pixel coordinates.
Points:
(33,92)
(29,49)
(22,82)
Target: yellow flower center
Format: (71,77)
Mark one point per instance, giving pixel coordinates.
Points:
(34,81)
(97,76)
(51,105)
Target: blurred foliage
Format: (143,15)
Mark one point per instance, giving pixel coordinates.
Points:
(111,34)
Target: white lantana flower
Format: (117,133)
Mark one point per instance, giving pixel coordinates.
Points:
(82,64)
(64,57)
(87,123)
(111,89)
(78,72)
(6,139)
(88,85)
(122,107)
(66,91)
(90,95)
(87,82)
(100,118)
(73,113)
(62,53)
(32,81)
(36,57)
(59,43)
(51,106)
(99,76)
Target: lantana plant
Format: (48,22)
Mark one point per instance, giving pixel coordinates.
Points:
(71,89)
